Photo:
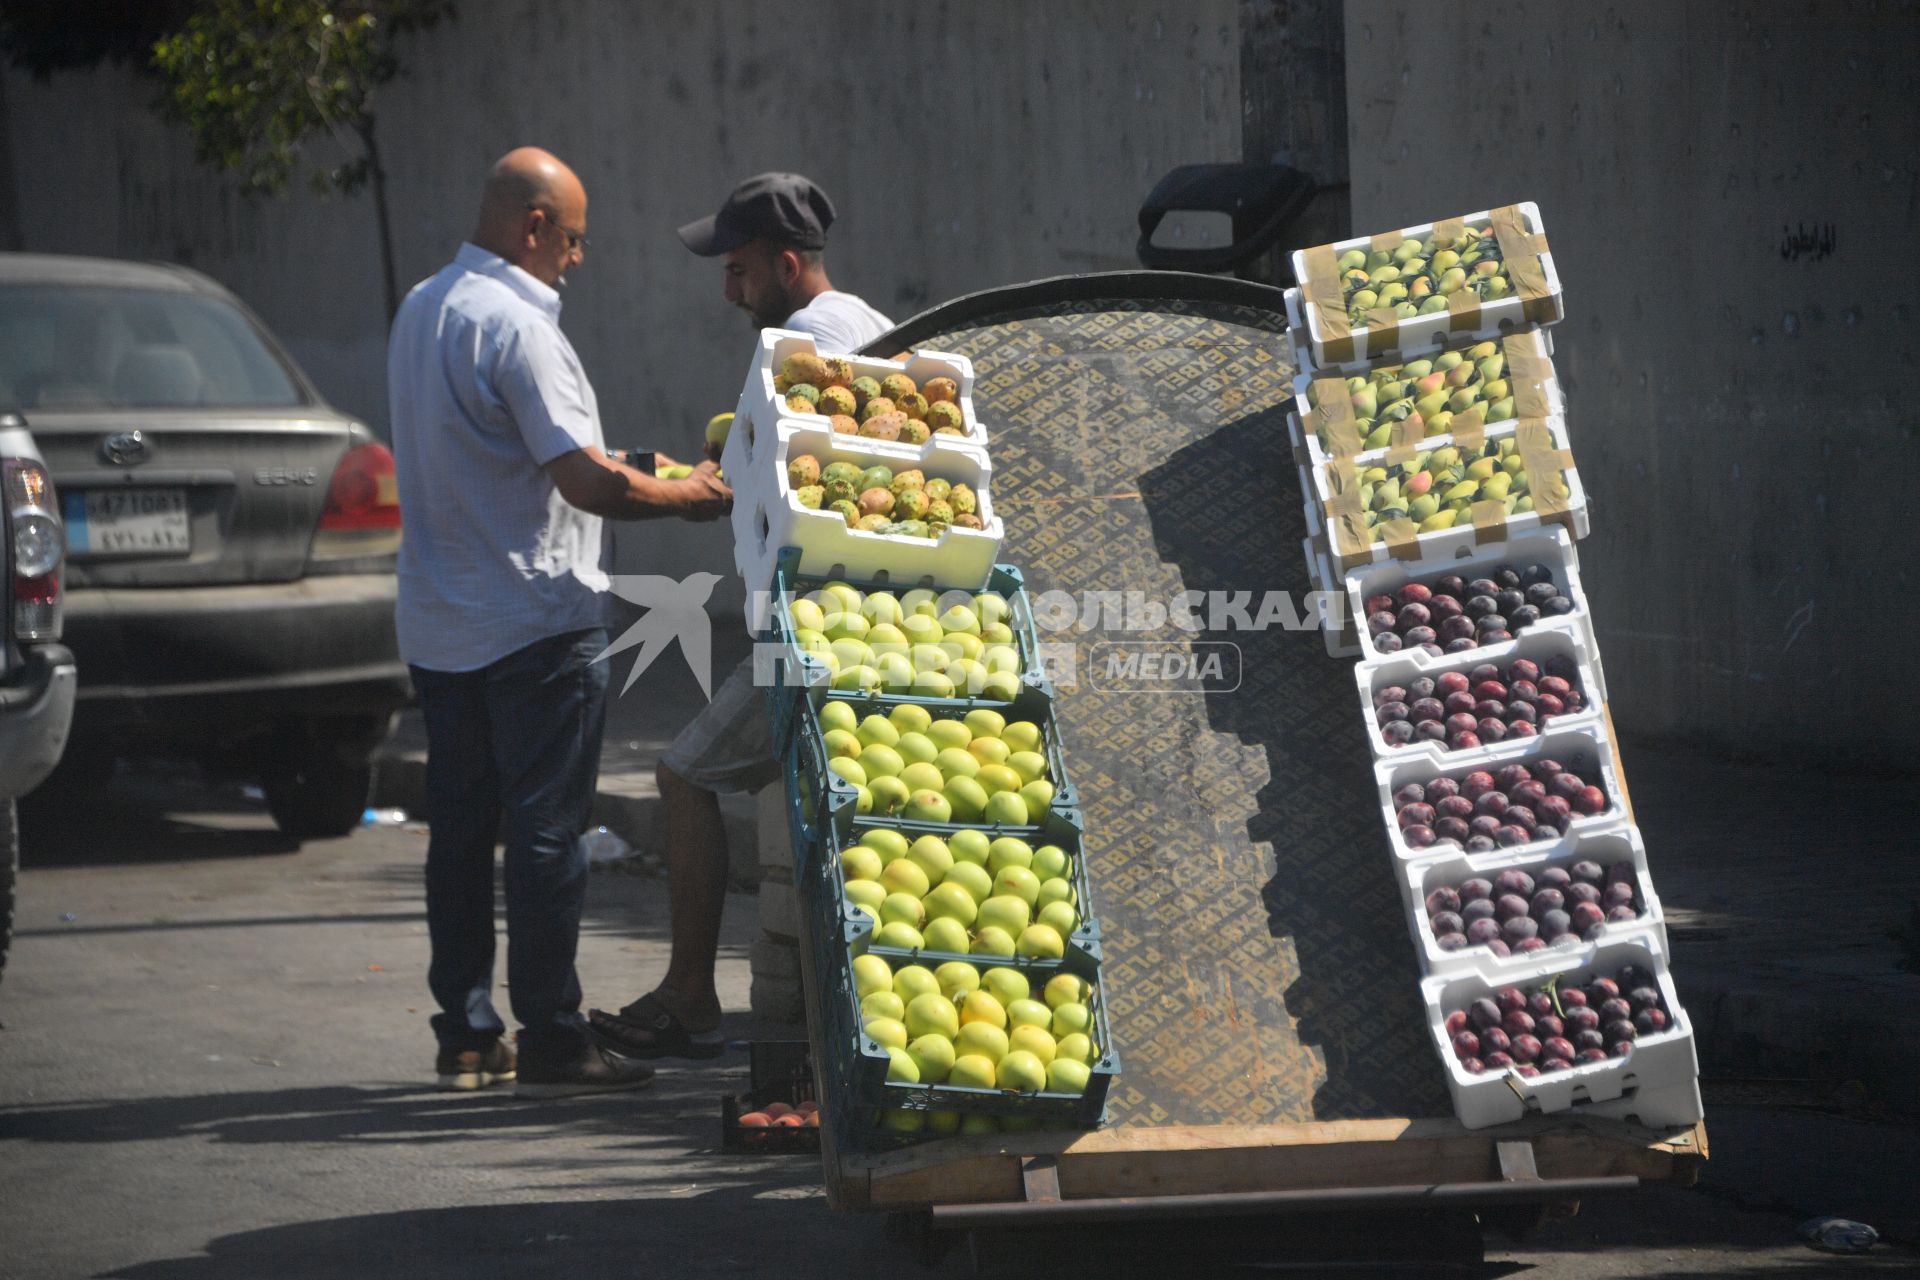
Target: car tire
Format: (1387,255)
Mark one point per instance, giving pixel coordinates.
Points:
(314,789)
(9,877)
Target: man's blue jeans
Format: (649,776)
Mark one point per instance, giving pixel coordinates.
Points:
(513,752)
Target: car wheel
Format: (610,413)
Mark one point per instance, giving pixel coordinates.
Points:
(9,875)
(315,786)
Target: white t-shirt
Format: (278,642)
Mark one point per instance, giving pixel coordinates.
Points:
(839,321)
(486,390)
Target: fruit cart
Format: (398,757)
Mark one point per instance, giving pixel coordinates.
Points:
(1260,983)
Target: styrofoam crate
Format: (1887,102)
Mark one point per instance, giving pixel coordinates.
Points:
(1302,346)
(1431,549)
(1550,546)
(1337,627)
(1533,343)
(1499,316)
(1621,844)
(1657,1084)
(1585,751)
(766,406)
(767,520)
(1536,644)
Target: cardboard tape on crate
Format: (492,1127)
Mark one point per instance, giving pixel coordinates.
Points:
(1325,293)
(1332,416)
(1528,370)
(1469,426)
(1403,442)
(1402,537)
(1522,251)
(1346,519)
(1547,469)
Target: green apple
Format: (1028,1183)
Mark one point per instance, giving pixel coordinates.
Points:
(974,878)
(889,1032)
(1041,941)
(860,676)
(985,723)
(1007,809)
(932,856)
(929,657)
(1056,889)
(994,777)
(1008,851)
(808,615)
(889,794)
(920,629)
(1067,1075)
(845,625)
(914,980)
(1034,1040)
(835,714)
(973,1071)
(1019,882)
(996,633)
(947,1122)
(932,1014)
(905,937)
(845,592)
(871,914)
(946,935)
(950,735)
(1069,1017)
(931,684)
(902,875)
(972,1124)
(966,675)
(922,776)
(960,620)
(989,750)
(962,645)
(927,806)
(1028,1012)
(885,841)
(980,1006)
(910,717)
(882,1004)
(1049,862)
(1021,735)
(870,893)
(841,742)
(991,940)
(849,768)
(902,907)
(862,800)
(1019,1071)
(981,1037)
(878,760)
(958,979)
(871,974)
(992,607)
(955,763)
(1005,911)
(1001,659)
(971,845)
(1030,765)
(827,660)
(1006,984)
(915,747)
(1001,686)
(859,862)
(933,1055)
(902,1119)
(901,1068)
(884,637)
(967,797)
(952,902)
(880,608)
(1038,794)
(921,601)
(877,729)
(896,673)
(1059,916)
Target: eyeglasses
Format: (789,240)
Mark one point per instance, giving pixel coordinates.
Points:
(575,239)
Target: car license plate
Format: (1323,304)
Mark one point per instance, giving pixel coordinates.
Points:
(128,522)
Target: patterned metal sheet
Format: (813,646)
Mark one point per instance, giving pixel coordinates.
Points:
(1257,962)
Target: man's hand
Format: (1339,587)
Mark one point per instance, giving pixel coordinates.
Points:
(595,483)
(709,497)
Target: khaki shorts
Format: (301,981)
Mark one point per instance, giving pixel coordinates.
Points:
(729,745)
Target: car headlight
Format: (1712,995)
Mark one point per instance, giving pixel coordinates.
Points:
(38,543)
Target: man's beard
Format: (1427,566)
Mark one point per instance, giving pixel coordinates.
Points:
(766,316)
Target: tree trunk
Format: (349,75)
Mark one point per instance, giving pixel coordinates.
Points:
(377,178)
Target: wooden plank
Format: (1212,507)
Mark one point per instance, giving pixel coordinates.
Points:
(846,1185)
(1619,770)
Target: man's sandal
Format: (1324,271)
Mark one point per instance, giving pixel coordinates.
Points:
(648,1029)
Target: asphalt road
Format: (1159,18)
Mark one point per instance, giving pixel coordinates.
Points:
(215,1063)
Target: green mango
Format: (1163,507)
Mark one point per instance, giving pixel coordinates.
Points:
(1492,367)
(1500,410)
(1422,507)
(1350,259)
(1379,437)
(1365,300)
(1398,411)
(1465,490)
(1447,360)
(1439,520)
(1496,486)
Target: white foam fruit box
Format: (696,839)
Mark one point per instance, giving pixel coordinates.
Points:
(1584,751)
(1537,644)
(1618,846)
(1550,547)
(763,408)
(1528,370)
(1536,297)
(1656,1084)
(1336,622)
(770,518)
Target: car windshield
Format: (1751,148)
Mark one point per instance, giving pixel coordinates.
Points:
(89,347)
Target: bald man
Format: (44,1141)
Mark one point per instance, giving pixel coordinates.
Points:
(504,482)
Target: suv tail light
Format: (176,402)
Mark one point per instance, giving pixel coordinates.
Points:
(362,516)
(39,545)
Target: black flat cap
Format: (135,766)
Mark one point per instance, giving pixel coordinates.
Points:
(784,208)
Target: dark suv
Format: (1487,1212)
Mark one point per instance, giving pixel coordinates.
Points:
(231,538)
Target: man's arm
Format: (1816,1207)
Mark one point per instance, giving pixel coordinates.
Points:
(598,485)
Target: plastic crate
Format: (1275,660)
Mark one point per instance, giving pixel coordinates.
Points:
(796,669)
(1033,705)
(780,1071)
(1422,876)
(1585,751)
(764,406)
(1521,309)
(1537,644)
(1545,398)
(1657,1084)
(1066,829)
(768,518)
(1551,547)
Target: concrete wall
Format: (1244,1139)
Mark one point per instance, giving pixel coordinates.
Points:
(1742,409)
(966,145)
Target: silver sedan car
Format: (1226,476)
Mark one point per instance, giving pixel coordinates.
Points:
(230,537)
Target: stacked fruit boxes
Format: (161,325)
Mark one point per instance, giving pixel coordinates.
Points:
(937,840)
(1442,507)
